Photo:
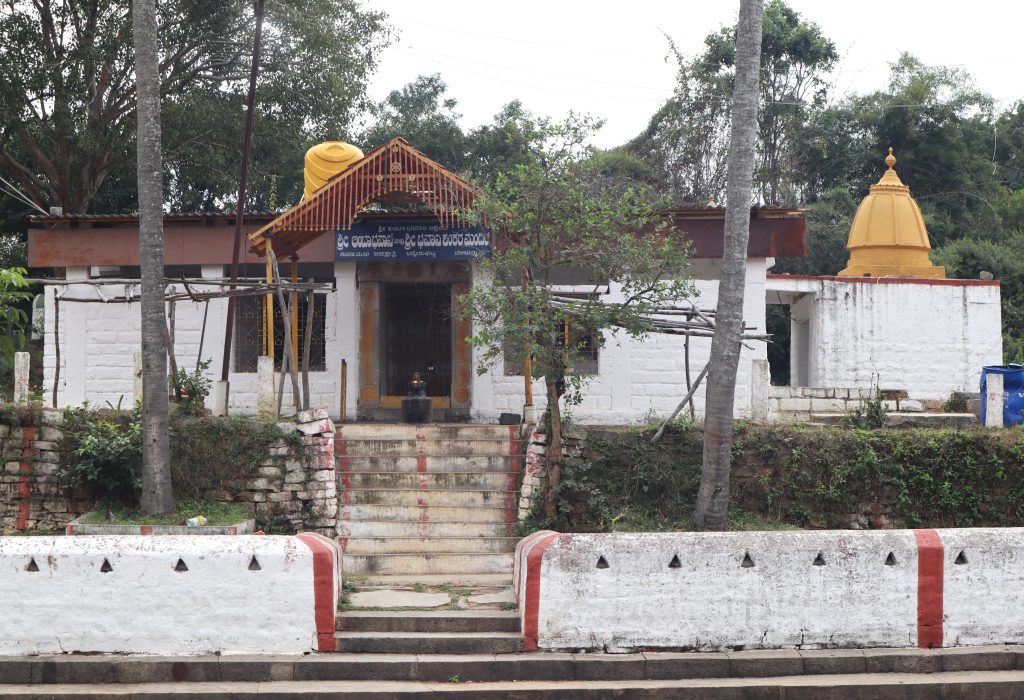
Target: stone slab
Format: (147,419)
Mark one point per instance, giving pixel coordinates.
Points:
(398,599)
(505,596)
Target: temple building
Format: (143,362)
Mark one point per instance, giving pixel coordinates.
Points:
(383,251)
(890,319)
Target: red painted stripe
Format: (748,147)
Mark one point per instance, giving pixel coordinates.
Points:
(890,280)
(345,514)
(532,603)
(930,561)
(324,586)
(515,458)
(145,529)
(518,565)
(28,436)
(424,483)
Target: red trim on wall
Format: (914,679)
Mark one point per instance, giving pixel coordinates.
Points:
(531,605)
(324,606)
(889,280)
(28,436)
(148,530)
(422,501)
(515,458)
(930,561)
(344,515)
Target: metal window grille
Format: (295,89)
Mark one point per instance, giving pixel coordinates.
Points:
(250,326)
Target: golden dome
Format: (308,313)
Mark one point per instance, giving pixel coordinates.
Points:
(888,237)
(324,161)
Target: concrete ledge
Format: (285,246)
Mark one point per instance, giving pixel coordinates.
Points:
(619,592)
(166,595)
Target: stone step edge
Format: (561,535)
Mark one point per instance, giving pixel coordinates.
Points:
(744,664)
(950,685)
(433,613)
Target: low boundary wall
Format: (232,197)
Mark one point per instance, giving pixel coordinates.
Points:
(171,595)
(771,590)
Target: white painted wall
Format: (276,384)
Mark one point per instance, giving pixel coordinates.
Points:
(712,602)
(145,606)
(637,380)
(929,338)
(98,343)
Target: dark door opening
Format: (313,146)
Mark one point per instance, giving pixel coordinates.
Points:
(417,337)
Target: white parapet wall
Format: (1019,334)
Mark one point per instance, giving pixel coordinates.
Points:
(173,595)
(770,590)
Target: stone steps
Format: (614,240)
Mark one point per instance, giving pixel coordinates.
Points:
(953,674)
(993,685)
(463,480)
(445,498)
(428,563)
(432,463)
(429,642)
(429,544)
(430,528)
(493,514)
(428,621)
(460,447)
(429,431)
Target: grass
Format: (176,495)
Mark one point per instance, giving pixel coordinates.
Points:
(216,514)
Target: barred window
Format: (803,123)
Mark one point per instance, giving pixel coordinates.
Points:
(583,355)
(250,327)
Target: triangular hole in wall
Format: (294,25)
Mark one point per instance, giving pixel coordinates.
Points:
(32,566)
(819,560)
(180,566)
(602,563)
(890,560)
(254,565)
(105,567)
(675,563)
(961,558)
(748,563)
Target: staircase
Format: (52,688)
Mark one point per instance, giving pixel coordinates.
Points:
(432,499)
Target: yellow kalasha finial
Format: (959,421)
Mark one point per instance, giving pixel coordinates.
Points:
(888,237)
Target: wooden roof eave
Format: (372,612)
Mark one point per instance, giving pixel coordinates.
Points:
(393,167)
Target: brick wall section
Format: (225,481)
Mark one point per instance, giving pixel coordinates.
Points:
(30,499)
(293,488)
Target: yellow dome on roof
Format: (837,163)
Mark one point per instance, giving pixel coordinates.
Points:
(888,237)
(324,161)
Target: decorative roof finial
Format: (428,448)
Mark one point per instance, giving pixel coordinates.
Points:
(890,159)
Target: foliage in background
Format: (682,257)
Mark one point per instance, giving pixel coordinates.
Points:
(67,96)
(799,476)
(14,320)
(559,211)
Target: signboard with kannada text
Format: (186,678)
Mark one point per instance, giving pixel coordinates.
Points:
(411,240)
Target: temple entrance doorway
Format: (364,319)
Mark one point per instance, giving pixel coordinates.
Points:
(417,337)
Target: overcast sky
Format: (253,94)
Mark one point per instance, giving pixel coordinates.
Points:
(608,58)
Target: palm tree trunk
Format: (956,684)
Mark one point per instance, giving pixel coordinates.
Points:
(156,497)
(712,508)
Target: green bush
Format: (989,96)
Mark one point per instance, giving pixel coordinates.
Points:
(800,475)
(103,450)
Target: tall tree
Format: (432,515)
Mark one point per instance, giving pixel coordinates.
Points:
(556,212)
(687,139)
(67,94)
(712,508)
(157,497)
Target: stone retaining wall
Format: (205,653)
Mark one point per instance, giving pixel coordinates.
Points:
(294,488)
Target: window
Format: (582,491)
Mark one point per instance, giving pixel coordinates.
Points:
(584,347)
(249,332)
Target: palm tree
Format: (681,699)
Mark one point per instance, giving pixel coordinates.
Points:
(156,472)
(712,508)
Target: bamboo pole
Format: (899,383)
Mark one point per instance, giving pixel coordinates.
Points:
(307,346)
(343,413)
(56,344)
(689,395)
(295,307)
(268,329)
